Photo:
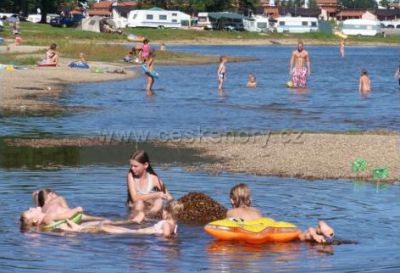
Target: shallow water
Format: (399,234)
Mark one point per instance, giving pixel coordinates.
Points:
(186,100)
(365,212)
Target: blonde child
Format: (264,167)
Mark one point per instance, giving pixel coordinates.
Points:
(252,81)
(166,227)
(364,85)
(149,76)
(221,73)
(240,196)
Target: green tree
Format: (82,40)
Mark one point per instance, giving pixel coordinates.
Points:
(385,3)
(312,4)
(359,4)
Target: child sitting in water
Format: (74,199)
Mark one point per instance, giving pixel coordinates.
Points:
(240,196)
(252,82)
(364,85)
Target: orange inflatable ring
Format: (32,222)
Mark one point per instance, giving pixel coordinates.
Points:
(259,231)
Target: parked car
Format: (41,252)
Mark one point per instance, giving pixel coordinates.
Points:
(1,25)
(66,21)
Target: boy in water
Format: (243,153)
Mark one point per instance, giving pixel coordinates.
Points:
(252,81)
(364,85)
(221,73)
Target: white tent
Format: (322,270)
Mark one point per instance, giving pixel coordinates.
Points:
(91,23)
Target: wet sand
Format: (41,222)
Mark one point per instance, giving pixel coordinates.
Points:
(22,90)
(308,155)
(296,154)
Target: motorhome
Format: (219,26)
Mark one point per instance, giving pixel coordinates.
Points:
(296,24)
(362,27)
(390,24)
(157,18)
(256,24)
(220,20)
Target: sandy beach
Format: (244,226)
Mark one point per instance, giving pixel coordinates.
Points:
(21,89)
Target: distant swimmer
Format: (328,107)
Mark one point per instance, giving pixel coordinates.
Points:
(221,74)
(299,66)
(397,74)
(341,48)
(252,81)
(364,85)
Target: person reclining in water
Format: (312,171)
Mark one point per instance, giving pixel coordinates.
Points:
(240,196)
(166,227)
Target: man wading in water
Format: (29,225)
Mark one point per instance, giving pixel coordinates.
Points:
(297,66)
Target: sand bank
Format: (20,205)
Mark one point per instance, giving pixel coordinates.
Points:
(308,155)
(21,90)
(301,155)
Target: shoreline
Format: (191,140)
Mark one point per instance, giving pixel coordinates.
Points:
(28,90)
(297,154)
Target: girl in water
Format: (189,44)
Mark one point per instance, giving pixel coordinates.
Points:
(166,227)
(240,196)
(145,188)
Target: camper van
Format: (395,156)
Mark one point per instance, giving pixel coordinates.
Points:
(157,18)
(220,20)
(256,24)
(361,27)
(297,24)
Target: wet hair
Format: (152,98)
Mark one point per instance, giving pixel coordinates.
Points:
(364,72)
(142,157)
(222,58)
(39,197)
(240,195)
(174,208)
(53,46)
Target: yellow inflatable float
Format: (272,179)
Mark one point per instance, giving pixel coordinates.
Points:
(259,231)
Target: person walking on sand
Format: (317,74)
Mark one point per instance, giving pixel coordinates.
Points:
(299,66)
(341,48)
(364,84)
(221,74)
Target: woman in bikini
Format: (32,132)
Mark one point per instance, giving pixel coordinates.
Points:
(145,188)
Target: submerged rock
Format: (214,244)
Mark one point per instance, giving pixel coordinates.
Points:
(199,208)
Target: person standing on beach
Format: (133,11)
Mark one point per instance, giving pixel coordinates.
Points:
(341,48)
(221,74)
(364,85)
(299,67)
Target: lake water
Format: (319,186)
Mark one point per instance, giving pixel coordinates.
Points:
(186,102)
(186,97)
(366,212)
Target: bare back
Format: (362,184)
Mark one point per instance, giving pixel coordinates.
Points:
(245,214)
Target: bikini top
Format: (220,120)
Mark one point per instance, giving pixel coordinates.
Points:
(147,189)
(158,227)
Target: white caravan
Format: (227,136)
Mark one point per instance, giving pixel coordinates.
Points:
(36,18)
(361,27)
(256,24)
(296,24)
(158,18)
